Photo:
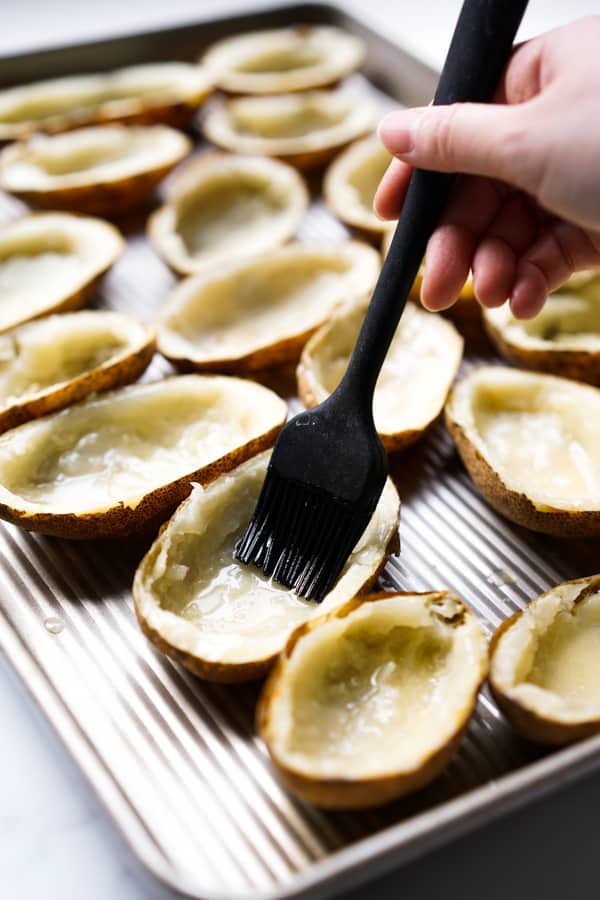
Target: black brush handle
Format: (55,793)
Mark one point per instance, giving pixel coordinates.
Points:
(478,53)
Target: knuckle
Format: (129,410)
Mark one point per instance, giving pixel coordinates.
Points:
(437,133)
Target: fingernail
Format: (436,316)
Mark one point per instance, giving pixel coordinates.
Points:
(396,131)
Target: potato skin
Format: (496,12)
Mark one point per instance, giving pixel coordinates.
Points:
(222,672)
(345,793)
(153,509)
(79,297)
(580,365)
(273,356)
(110,199)
(179,114)
(121,372)
(527,722)
(517,506)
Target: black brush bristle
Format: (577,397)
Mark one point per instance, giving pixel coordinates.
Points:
(302,536)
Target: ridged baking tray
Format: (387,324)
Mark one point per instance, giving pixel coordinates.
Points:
(175,760)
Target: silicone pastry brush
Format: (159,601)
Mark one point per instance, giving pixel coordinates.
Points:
(328,466)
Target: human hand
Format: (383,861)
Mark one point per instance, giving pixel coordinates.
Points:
(526,213)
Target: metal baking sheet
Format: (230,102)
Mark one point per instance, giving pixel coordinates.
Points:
(176,760)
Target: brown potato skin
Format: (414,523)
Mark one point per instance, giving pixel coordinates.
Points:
(179,114)
(283,352)
(122,371)
(345,793)
(581,365)
(153,509)
(525,721)
(109,199)
(516,506)
(231,673)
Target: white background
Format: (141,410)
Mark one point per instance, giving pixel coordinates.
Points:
(55,839)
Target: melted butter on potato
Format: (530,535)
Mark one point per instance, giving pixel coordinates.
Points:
(222,619)
(543,437)
(368,702)
(545,667)
(531,443)
(114,462)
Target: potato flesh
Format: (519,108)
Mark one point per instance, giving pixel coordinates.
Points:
(62,96)
(376,692)
(203,601)
(406,395)
(217,217)
(568,321)
(98,153)
(280,60)
(28,277)
(113,449)
(36,358)
(364,179)
(547,440)
(259,304)
(296,122)
(567,661)
(371,685)
(549,660)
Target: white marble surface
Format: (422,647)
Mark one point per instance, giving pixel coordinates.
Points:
(55,839)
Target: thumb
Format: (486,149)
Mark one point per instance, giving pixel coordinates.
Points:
(471,138)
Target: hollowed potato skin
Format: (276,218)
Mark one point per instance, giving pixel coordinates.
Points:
(344,793)
(580,365)
(108,199)
(273,356)
(179,114)
(79,297)
(153,509)
(517,506)
(120,372)
(231,673)
(525,721)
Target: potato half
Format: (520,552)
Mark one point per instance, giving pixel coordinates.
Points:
(283,59)
(564,338)
(108,170)
(52,262)
(222,207)
(545,664)
(415,379)
(245,316)
(370,701)
(157,92)
(531,443)
(225,621)
(305,129)
(52,362)
(119,463)
(351,181)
